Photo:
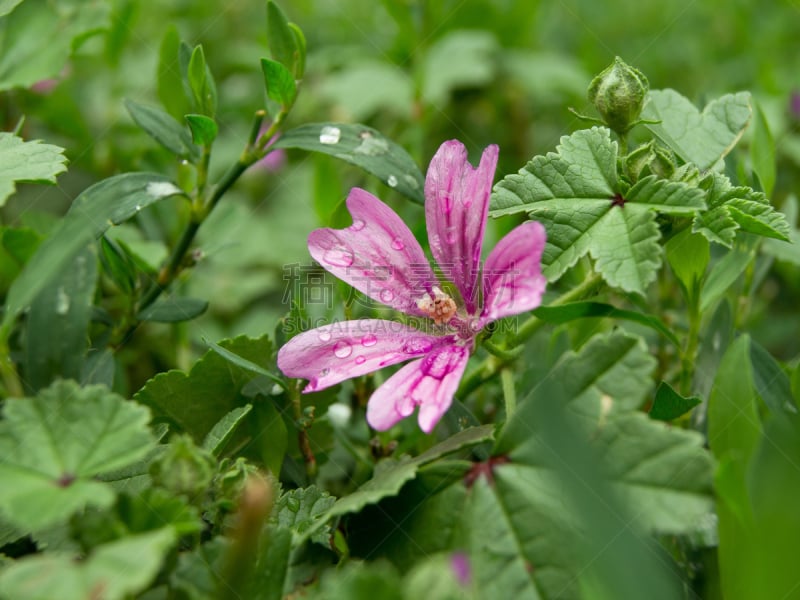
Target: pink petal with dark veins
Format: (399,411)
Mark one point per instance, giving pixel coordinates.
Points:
(512,276)
(456,206)
(378,255)
(429,383)
(330,354)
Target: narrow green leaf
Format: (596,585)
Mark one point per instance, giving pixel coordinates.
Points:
(565,313)
(54,445)
(63,305)
(724,274)
(120,569)
(170,79)
(117,265)
(164,129)
(771,382)
(281,39)
(270,427)
(33,162)
(245,364)
(204,129)
(279,83)
(688,255)
(300,44)
(201,82)
(762,151)
(364,147)
(107,203)
(699,138)
(219,435)
(669,404)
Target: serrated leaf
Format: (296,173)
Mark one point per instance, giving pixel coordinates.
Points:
(204,129)
(576,194)
(173,309)
(699,138)
(281,40)
(116,570)
(758,218)
(245,364)
(364,147)
(54,445)
(107,203)
(564,313)
(219,435)
(32,162)
(196,401)
(63,305)
(279,83)
(669,404)
(164,129)
(299,510)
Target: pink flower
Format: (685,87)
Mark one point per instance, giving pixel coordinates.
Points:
(379,256)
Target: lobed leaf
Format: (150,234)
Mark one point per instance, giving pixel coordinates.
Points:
(33,162)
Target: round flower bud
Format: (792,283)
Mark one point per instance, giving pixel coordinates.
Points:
(618,94)
(183,469)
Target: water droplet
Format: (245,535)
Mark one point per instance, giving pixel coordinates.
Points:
(360,360)
(386,295)
(357,225)
(342,349)
(371,145)
(324,336)
(338,257)
(330,135)
(276,390)
(398,244)
(138,207)
(324,372)
(392,181)
(62,302)
(417,346)
(441,363)
(369,340)
(411,181)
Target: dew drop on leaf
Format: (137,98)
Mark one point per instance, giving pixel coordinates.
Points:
(330,135)
(392,181)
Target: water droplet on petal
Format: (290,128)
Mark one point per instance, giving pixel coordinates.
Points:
(342,349)
(357,225)
(417,346)
(338,257)
(441,363)
(387,296)
(324,336)
(360,360)
(398,244)
(392,181)
(330,135)
(324,372)
(369,340)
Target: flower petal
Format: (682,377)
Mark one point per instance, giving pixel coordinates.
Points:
(378,255)
(330,354)
(429,383)
(512,276)
(456,205)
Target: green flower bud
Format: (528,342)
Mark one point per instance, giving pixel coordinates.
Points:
(618,94)
(184,469)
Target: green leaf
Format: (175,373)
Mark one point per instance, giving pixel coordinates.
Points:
(564,313)
(107,203)
(170,81)
(576,194)
(6,6)
(299,510)
(364,147)
(245,364)
(300,44)
(196,401)
(786,251)
(281,39)
(63,305)
(117,570)
(762,151)
(52,447)
(669,404)
(459,59)
(361,581)
(688,255)
(771,382)
(279,83)
(699,138)
(221,433)
(33,162)
(201,82)
(723,275)
(391,476)
(25,59)
(164,129)
(204,129)
(174,309)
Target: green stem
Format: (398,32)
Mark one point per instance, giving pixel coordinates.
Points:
(302,434)
(509,393)
(689,354)
(9,374)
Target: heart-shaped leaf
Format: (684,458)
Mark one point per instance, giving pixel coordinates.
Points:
(701,138)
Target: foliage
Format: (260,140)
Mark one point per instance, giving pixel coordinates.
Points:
(161,168)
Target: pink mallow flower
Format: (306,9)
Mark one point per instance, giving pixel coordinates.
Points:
(379,256)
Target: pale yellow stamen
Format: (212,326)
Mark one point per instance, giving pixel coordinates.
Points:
(439,306)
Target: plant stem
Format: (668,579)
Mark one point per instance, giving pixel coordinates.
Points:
(509,393)
(689,354)
(302,434)
(11,381)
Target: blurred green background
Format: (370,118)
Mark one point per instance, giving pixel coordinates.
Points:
(483,71)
